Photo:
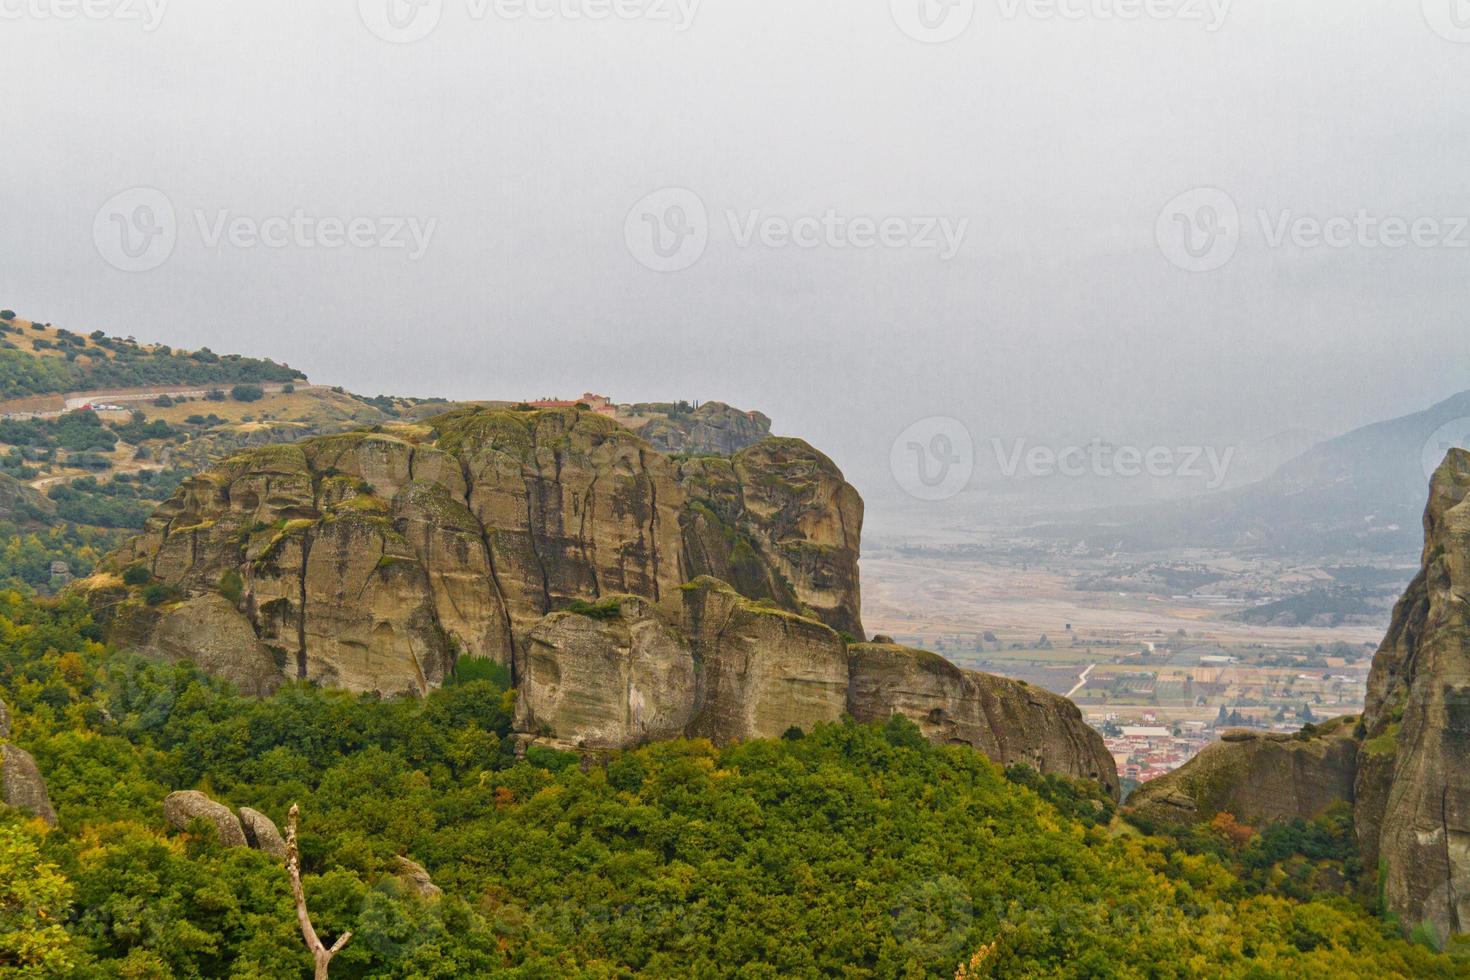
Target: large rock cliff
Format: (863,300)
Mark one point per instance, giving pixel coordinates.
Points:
(634,596)
(1405,767)
(371,560)
(1413,785)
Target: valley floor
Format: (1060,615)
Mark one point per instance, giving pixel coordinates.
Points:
(1161,655)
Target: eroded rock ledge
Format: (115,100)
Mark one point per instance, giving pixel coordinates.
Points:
(723,667)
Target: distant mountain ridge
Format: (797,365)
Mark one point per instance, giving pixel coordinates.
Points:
(1362,491)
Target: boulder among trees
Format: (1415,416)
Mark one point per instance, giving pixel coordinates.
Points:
(24,789)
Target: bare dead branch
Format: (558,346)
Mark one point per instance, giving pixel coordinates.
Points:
(320,954)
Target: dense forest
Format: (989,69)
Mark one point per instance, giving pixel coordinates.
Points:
(857,851)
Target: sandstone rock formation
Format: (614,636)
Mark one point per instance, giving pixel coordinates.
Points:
(633,596)
(713,427)
(22,785)
(762,670)
(371,560)
(1406,767)
(4,720)
(182,807)
(413,877)
(728,668)
(1257,777)
(607,683)
(1413,786)
(262,834)
(1008,720)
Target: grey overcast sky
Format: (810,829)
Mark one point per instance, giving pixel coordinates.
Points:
(1050,136)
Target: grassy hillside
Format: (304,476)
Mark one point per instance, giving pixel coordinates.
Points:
(38,359)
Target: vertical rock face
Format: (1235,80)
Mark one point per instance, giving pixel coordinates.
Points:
(762,670)
(371,560)
(1009,721)
(1413,786)
(606,683)
(778,522)
(727,668)
(22,785)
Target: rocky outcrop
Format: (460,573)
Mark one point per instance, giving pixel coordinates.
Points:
(762,670)
(4,720)
(719,666)
(1010,721)
(371,560)
(210,631)
(262,834)
(1413,785)
(22,785)
(414,878)
(618,680)
(728,668)
(713,427)
(634,596)
(181,808)
(777,522)
(1257,777)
